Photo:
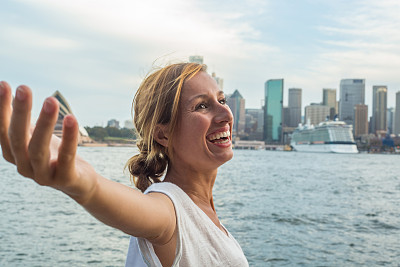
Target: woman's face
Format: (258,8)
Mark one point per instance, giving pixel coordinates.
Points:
(202,137)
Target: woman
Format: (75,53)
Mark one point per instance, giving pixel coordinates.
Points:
(184,125)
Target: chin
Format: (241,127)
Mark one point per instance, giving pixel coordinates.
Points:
(230,156)
(226,157)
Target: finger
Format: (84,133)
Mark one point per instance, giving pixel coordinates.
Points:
(5,116)
(55,143)
(18,131)
(69,143)
(39,145)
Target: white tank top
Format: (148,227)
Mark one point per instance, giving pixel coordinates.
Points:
(200,242)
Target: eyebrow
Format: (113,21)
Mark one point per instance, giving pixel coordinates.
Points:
(204,96)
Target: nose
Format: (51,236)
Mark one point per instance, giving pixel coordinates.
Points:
(223,114)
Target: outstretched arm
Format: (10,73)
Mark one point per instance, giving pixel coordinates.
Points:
(40,155)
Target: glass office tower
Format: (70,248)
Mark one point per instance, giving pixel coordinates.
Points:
(273,111)
(352,92)
(294,106)
(397,115)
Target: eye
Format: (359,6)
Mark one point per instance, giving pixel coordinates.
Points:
(201,106)
(222,101)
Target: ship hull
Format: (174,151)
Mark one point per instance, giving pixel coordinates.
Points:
(327,137)
(326,148)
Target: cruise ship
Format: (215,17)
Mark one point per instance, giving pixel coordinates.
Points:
(328,136)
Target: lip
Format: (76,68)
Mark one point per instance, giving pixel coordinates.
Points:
(222,145)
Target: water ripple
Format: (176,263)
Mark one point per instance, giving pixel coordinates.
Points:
(285,209)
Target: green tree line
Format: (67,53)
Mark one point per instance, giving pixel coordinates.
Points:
(109,133)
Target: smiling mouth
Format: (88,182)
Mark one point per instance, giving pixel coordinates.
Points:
(219,138)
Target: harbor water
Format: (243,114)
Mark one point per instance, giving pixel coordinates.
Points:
(284,208)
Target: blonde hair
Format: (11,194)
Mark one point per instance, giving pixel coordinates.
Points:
(156,102)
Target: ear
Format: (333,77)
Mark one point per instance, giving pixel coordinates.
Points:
(161,134)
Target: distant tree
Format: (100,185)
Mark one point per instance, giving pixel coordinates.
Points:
(113,132)
(128,133)
(97,133)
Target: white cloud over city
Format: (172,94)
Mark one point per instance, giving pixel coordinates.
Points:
(97,52)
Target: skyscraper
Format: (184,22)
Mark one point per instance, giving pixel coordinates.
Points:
(379,107)
(360,120)
(372,120)
(352,92)
(236,103)
(329,99)
(285,117)
(315,113)
(294,107)
(390,120)
(196,59)
(255,124)
(397,115)
(273,110)
(219,81)
(113,123)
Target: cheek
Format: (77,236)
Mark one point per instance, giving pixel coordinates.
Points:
(194,127)
(200,125)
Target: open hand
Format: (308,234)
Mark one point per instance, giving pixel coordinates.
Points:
(37,153)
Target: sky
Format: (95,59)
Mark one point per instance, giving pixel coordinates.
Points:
(97,52)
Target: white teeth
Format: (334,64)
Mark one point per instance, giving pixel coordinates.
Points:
(219,135)
(222,141)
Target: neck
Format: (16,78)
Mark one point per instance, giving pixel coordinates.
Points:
(197,185)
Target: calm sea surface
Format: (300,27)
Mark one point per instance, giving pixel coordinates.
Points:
(284,208)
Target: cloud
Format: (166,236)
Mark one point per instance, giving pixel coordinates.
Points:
(175,25)
(39,39)
(363,40)
(102,47)
(98,47)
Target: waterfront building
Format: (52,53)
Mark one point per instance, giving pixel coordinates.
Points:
(316,113)
(287,130)
(294,107)
(352,92)
(113,123)
(379,108)
(397,115)
(337,108)
(219,81)
(369,125)
(360,120)
(236,103)
(196,59)
(390,120)
(64,110)
(273,111)
(285,117)
(254,124)
(329,99)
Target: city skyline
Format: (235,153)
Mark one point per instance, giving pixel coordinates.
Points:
(97,55)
